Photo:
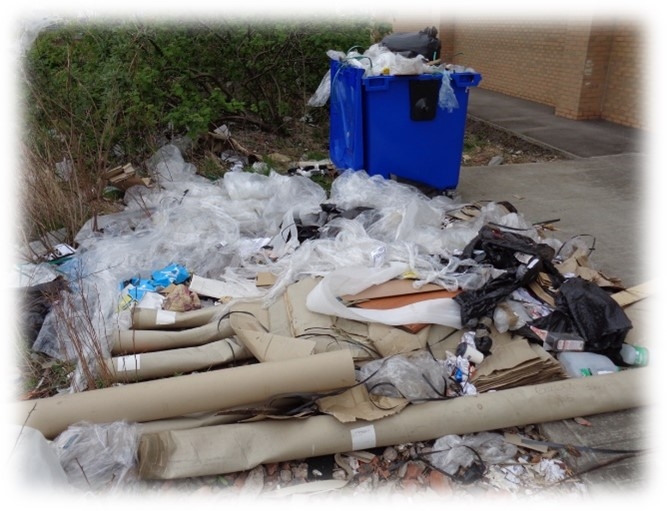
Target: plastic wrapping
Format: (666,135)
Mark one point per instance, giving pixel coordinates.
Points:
(414,377)
(400,224)
(459,451)
(245,223)
(98,456)
(35,463)
(321,95)
(598,318)
(380,60)
(446,96)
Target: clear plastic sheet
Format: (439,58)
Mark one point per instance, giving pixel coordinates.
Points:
(446,96)
(414,377)
(219,229)
(380,60)
(452,452)
(323,92)
(35,462)
(98,456)
(376,60)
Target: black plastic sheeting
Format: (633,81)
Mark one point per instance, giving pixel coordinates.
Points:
(36,302)
(582,307)
(499,248)
(587,309)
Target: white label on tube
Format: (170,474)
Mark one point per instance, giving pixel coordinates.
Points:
(363,438)
(165,317)
(128,363)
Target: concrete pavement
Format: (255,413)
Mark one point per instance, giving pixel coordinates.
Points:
(537,123)
(600,191)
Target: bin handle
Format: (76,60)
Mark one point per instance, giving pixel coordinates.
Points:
(465,79)
(376,83)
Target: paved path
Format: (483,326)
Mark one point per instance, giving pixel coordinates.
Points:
(600,191)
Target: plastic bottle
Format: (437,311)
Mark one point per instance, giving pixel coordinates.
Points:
(584,363)
(634,355)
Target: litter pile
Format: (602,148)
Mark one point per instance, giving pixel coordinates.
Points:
(257,320)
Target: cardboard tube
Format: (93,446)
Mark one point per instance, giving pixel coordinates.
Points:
(234,447)
(141,341)
(153,319)
(192,421)
(159,364)
(182,395)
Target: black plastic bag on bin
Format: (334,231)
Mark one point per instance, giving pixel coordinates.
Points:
(410,44)
(599,319)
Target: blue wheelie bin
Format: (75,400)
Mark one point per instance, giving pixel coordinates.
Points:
(393,126)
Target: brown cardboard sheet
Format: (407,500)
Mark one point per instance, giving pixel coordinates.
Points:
(392,302)
(394,287)
(357,403)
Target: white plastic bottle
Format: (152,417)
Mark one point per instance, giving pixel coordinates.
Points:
(634,355)
(583,363)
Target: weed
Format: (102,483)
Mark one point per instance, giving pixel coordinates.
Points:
(211,167)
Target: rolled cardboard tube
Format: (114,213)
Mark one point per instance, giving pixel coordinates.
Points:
(160,364)
(191,421)
(181,395)
(235,447)
(141,341)
(154,319)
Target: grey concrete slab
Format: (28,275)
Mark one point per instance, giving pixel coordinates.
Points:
(600,192)
(632,429)
(627,430)
(601,197)
(537,123)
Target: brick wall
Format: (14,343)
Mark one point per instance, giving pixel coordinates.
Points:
(627,78)
(585,70)
(521,60)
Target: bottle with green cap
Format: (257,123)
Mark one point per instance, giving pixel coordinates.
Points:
(634,355)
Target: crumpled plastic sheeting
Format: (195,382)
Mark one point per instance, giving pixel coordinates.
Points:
(551,470)
(170,169)
(405,214)
(451,452)
(67,318)
(446,96)
(415,377)
(209,226)
(98,456)
(34,461)
(322,93)
(202,225)
(379,60)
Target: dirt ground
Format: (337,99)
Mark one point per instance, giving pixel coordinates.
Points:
(483,142)
(303,142)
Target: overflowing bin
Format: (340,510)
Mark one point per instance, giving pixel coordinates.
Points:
(395,126)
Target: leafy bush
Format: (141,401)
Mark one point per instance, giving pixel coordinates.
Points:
(100,95)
